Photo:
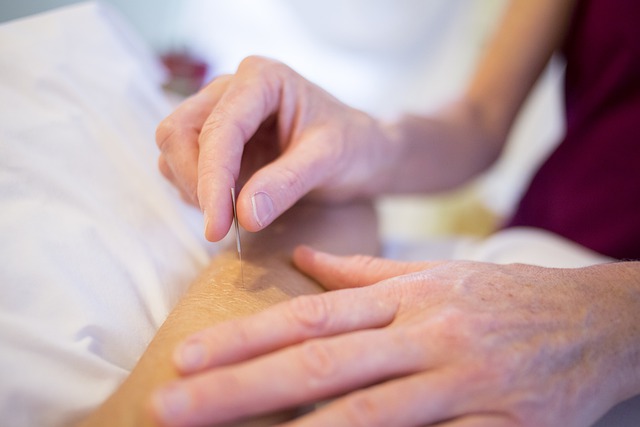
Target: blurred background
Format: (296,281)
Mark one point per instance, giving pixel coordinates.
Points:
(383,56)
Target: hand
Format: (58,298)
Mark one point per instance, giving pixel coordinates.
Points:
(449,344)
(277,135)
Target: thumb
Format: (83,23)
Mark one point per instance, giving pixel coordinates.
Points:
(278,185)
(339,272)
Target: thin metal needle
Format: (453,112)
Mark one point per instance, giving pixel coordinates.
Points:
(235,224)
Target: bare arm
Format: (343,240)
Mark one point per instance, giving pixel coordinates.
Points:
(219,295)
(460,343)
(284,137)
(444,150)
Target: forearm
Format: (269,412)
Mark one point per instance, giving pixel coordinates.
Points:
(439,152)
(219,293)
(453,145)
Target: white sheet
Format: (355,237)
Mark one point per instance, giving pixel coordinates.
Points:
(96,247)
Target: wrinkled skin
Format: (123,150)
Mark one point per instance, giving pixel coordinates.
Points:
(405,344)
(265,129)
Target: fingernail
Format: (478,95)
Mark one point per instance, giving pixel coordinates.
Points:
(206,222)
(262,208)
(172,403)
(191,356)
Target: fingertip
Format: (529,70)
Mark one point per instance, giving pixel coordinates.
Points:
(216,227)
(214,234)
(208,229)
(256,211)
(303,257)
(326,268)
(308,256)
(190,356)
(263,209)
(303,251)
(169,405)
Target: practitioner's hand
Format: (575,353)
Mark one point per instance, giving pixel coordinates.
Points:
(277,135)
(449,344)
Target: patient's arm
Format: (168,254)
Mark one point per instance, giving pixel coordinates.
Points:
(219,294)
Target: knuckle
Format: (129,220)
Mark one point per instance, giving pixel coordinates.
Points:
(361,410)
(253,61)
(221,120)
(369,263)
(260,63)
(311,312)
(240,334)
(318,362)
(451,324)
(364,261)
(292,183)
(210,127)
(449,327)
(280,69)
(359,264)
(263,77)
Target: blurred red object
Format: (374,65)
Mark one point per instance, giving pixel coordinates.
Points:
(186,72)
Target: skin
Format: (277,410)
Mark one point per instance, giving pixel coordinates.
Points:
(450,344)
(219,295)
(402,348)
(279,137)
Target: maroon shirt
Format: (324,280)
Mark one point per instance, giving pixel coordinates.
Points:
(588,190)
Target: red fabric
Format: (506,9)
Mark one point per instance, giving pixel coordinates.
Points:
(588,190)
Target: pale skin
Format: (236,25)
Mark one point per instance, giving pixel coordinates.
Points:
(454,344)
(451,344)
(219,295)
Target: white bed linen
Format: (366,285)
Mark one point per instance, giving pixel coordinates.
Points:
(95,246)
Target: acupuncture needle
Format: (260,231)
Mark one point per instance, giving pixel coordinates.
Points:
(235,224)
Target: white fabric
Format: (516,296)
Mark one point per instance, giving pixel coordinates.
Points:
(511,245)
(95,246)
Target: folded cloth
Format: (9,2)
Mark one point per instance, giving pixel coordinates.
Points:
(96,246)
(511,245)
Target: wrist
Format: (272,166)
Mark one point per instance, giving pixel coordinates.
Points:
(369,155)
(615,296)
(388,152)
(438,152)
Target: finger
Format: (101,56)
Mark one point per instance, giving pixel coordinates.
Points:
(277,186)
(252,96)
(168,174)
(262,89)
(429,398)
(480,420)
(165,170)
(338,272)
(305,373)
(177,135)
(287,323)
